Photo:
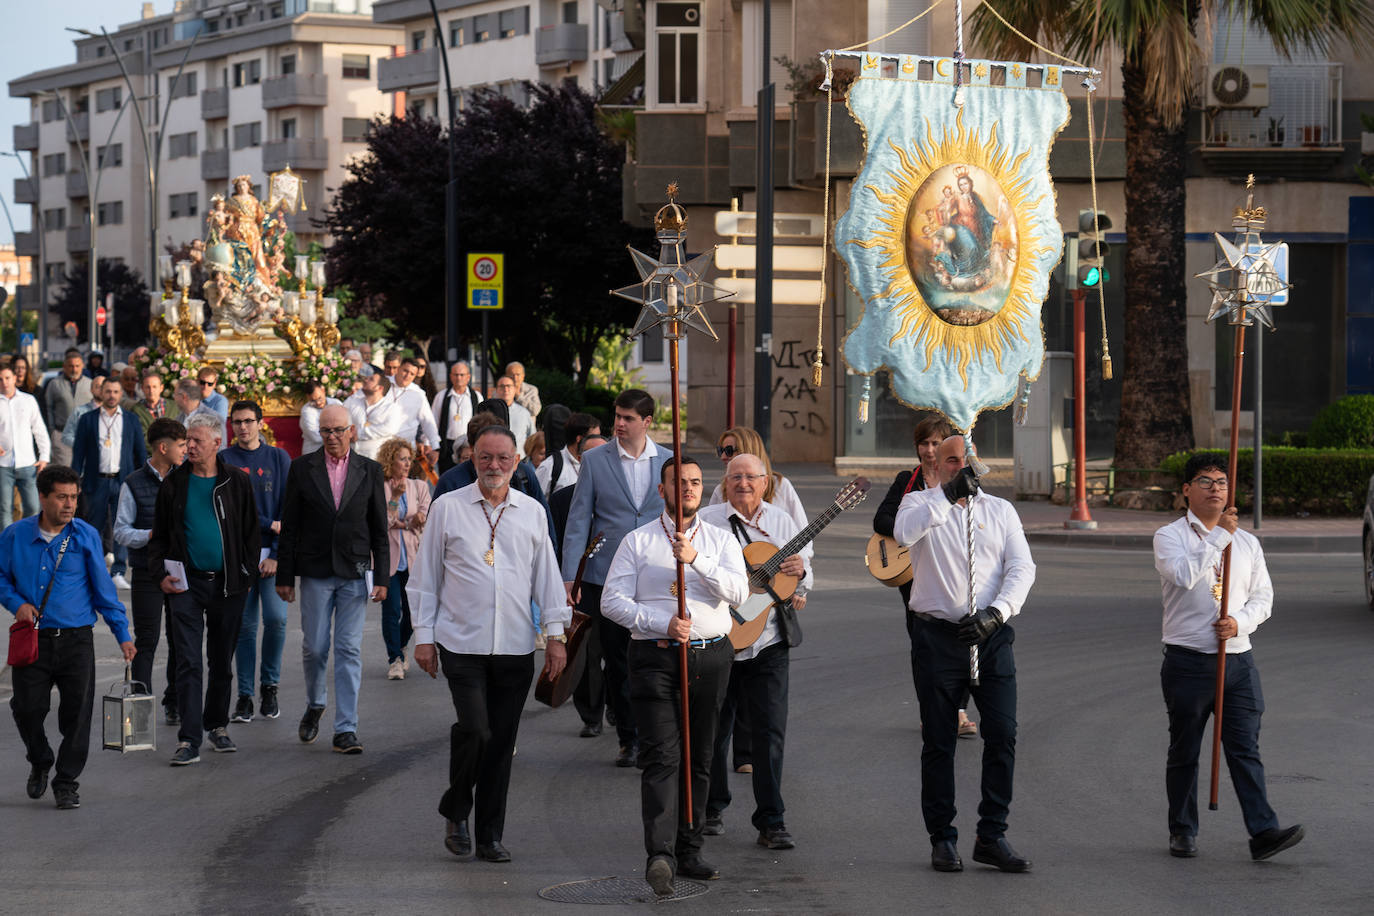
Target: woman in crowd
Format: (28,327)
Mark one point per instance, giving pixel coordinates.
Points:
(779,490)
(425,380)
(535,450)
(23,377)
(407,505)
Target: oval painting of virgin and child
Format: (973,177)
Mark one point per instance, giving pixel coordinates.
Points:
(961,244)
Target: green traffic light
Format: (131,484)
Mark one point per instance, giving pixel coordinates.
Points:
(1091,276)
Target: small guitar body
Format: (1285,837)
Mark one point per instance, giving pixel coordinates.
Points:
(552,691)
(888,561)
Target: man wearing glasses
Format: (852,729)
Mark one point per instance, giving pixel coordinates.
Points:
(208,377)
(1189,556)
(453,408)
(334,536)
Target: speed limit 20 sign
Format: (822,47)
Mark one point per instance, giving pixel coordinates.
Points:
(486,281)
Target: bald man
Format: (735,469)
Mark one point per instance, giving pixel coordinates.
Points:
(933,524)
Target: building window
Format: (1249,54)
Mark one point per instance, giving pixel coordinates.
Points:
(355,130)
(481,28)
(248,73)
(57,271)
(357,67)
(109,99)
(108,157)
(50,110)
(516,21)
(110,213)
(248,134)
(417,41)
(651,350)
(288,64)
(456,35)
(54,164)
(181,145)
(677,70)
(276,11)
(185,85)
(570,12)
(55,219)
(288,129)
(179,205)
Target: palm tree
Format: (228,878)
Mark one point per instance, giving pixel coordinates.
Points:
(1157,41)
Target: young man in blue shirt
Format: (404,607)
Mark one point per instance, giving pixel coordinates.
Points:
(54,548)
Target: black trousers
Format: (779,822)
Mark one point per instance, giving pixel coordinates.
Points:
(906,600)
(66,660)
(615,641)
(942,676)
(655,690)
(149,602)
(1189,681)
(204,613)
(489,691)
(758,685)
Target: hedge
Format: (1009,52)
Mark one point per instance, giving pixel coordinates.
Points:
(1296,480)
(1347,423)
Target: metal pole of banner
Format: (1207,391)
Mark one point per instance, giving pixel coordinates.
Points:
(1259,427)
(763,244)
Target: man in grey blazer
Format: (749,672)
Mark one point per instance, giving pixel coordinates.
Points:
(615,494)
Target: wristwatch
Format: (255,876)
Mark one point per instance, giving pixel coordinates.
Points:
(561,637)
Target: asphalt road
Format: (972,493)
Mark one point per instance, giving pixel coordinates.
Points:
(284,828)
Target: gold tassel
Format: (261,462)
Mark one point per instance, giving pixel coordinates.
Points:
(863,400)
(816,368)
(1106,365)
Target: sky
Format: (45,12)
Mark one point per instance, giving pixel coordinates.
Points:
(43,42)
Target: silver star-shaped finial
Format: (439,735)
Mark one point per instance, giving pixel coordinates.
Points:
(683,305)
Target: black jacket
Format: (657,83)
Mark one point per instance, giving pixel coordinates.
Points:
(235,511)
(885,519)
(319,541)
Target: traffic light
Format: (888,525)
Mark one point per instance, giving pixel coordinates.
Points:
(1091,250)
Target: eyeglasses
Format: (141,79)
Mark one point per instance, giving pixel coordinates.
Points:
(1211,483)
(245,422)
(740,478)
(205,382)
(329,431)
(726,451)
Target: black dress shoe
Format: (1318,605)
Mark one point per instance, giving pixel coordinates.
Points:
(38,782)
(629,754)
(492,852)
(714,826)
(66,797)
(698,868)
(1182,846)
(347,743)
(1271,842)
(310,723)
(456,838)
(945,857)
(999,854)
(590,729)
(659,874)
(776,837)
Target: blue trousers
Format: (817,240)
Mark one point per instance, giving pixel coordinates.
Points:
(102,504)
(262,597)
(396,616)
(26,479)
(339,605)
(1189,681)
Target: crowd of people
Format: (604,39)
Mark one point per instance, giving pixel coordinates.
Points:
(468,520)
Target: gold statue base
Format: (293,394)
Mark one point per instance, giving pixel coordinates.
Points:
(230,344)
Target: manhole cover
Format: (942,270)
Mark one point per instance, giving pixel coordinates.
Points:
(618,890)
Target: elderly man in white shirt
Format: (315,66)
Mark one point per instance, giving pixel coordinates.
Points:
(316,400)
(453,408)
(1189,555)
(21,432)
(759,676)
(376,418)
(641,595)
(933,524)
(526,395)
(484,555)
(417,421)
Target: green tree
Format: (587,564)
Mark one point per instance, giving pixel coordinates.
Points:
(130,300)
(1158,45)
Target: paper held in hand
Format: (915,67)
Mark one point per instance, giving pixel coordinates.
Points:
(177,570)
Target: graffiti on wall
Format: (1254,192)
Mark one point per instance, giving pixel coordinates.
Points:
(795,400)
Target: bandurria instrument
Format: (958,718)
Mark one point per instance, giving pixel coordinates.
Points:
(888,561)
(553,691)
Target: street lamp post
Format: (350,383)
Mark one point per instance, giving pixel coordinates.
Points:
(42,265)
(452,277)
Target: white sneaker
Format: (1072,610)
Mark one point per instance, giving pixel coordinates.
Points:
(120,582)
(396,671)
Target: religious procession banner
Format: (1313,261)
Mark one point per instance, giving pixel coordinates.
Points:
(951,234)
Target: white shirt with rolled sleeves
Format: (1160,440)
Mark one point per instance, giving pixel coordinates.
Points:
(1187,557)
(638,590)
(417,420)
(781,528)
(21,428)
(373,424)
(935,531)
(459,602)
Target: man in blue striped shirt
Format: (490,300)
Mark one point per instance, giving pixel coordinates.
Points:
(54,547)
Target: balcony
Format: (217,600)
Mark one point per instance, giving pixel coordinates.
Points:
(306,89)
(560,45)
(301,153)
(214,165)
(26,136)
(78,238)
(409,71)
(1298,134)
(25,191)
(81,121)
(214,103)
(76,184)
(26,244)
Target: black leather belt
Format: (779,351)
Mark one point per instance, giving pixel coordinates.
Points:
(937,622)
(55,632)
(693,643)
(208,575)
(114,476)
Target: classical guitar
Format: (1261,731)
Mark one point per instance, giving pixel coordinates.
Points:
(767,583)
(555,691)
(888,561)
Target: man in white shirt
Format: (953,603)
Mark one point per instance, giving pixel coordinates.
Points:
(560,469)
(485,553)
(932,523)
(641,595)
(375,416)
(417,420)
(1189,555)
(316,400)
(759,675)
(21,429)
(521,421)
(453,408)
(526,395)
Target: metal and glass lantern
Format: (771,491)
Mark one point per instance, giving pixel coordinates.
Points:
(130,719)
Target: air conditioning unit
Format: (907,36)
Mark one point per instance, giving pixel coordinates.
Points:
(1232,86)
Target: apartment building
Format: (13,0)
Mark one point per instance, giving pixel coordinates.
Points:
(1301,136)
(247,87)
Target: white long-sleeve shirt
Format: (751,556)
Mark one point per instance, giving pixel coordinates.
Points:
(460,408)
(638,591)
(522,425)
(310,425)
(1189,560)
(417,420)
(21,428)
(124,531)
(776,527)
(459,602)
(373,424)
(936,533)
(567,476)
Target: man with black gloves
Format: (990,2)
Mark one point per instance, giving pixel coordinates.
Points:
(933,523)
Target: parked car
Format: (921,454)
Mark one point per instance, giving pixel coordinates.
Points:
(1368,538)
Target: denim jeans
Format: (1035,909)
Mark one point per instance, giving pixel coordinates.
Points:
(396,616)
(263,594)
(26,479)
(341,605)
(102,503)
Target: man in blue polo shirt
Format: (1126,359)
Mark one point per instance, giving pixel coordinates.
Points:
(58,548)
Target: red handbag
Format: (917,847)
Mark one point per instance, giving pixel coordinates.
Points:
(24,633)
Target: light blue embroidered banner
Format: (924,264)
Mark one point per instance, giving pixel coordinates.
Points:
(951,234)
